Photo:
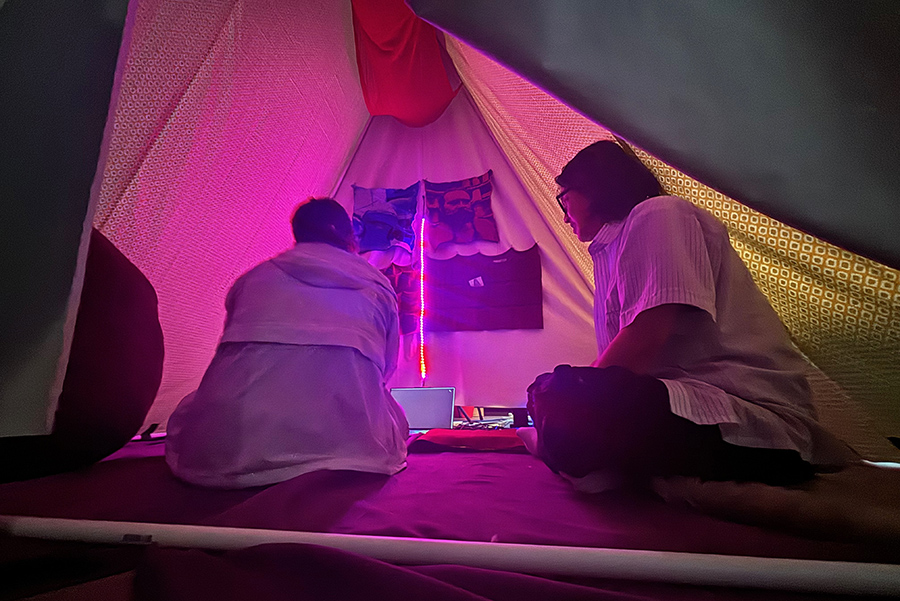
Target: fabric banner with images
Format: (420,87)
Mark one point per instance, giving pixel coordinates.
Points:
(460,211)
(485,293)
(383,217)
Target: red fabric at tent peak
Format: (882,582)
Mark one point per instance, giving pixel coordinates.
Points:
(401,67)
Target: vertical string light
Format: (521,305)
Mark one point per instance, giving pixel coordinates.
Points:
(422,370)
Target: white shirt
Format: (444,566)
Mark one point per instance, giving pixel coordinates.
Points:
(733,364)
(298,383)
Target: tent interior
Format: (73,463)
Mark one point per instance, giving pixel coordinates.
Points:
(186,133)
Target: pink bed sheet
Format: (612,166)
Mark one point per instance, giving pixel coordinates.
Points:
(476,496)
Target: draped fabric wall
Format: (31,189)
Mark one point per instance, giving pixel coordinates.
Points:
(231,113)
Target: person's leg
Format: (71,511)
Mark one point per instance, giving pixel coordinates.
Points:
(611,419)
(592,419)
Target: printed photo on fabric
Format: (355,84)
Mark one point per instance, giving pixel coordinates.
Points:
(383,217)
(460,211)
(485,293)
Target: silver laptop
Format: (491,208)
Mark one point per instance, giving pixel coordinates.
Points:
(426,408)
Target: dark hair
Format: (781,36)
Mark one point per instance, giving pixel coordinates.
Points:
(323,220)
(613,180)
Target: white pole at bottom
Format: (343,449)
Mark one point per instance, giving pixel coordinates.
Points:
(834,577)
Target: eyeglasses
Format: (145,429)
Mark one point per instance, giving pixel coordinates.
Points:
(559,201)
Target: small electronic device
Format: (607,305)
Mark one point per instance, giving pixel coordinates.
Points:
(426,408)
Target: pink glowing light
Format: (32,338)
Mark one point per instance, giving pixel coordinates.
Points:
(422,370)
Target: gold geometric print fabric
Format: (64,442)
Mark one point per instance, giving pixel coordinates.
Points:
(841,309)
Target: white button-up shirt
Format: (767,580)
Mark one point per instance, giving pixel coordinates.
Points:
(298,383)
(732,363)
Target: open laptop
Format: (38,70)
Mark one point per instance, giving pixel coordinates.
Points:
(426,408)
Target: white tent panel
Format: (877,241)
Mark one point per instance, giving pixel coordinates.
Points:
(490,368)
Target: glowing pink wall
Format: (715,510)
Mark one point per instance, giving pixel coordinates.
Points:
(231,112)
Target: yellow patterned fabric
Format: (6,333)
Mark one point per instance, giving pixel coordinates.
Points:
(841,309)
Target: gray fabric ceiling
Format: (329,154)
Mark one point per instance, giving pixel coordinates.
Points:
(788,107)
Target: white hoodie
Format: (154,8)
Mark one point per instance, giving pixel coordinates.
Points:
(316,293)
(298,383)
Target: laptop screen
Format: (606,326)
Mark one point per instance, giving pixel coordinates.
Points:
(426,408)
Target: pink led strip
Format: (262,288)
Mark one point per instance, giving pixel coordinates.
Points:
(422,370)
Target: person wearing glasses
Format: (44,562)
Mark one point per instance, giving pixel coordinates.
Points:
(695,375)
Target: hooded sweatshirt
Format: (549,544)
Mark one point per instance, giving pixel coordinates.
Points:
(316,293)
(298,383)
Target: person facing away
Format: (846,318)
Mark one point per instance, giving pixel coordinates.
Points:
(696,375)
(297,382)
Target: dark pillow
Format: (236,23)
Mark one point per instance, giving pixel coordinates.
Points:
(113,374)
(115,366)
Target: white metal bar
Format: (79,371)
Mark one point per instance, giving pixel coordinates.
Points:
(832,577)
